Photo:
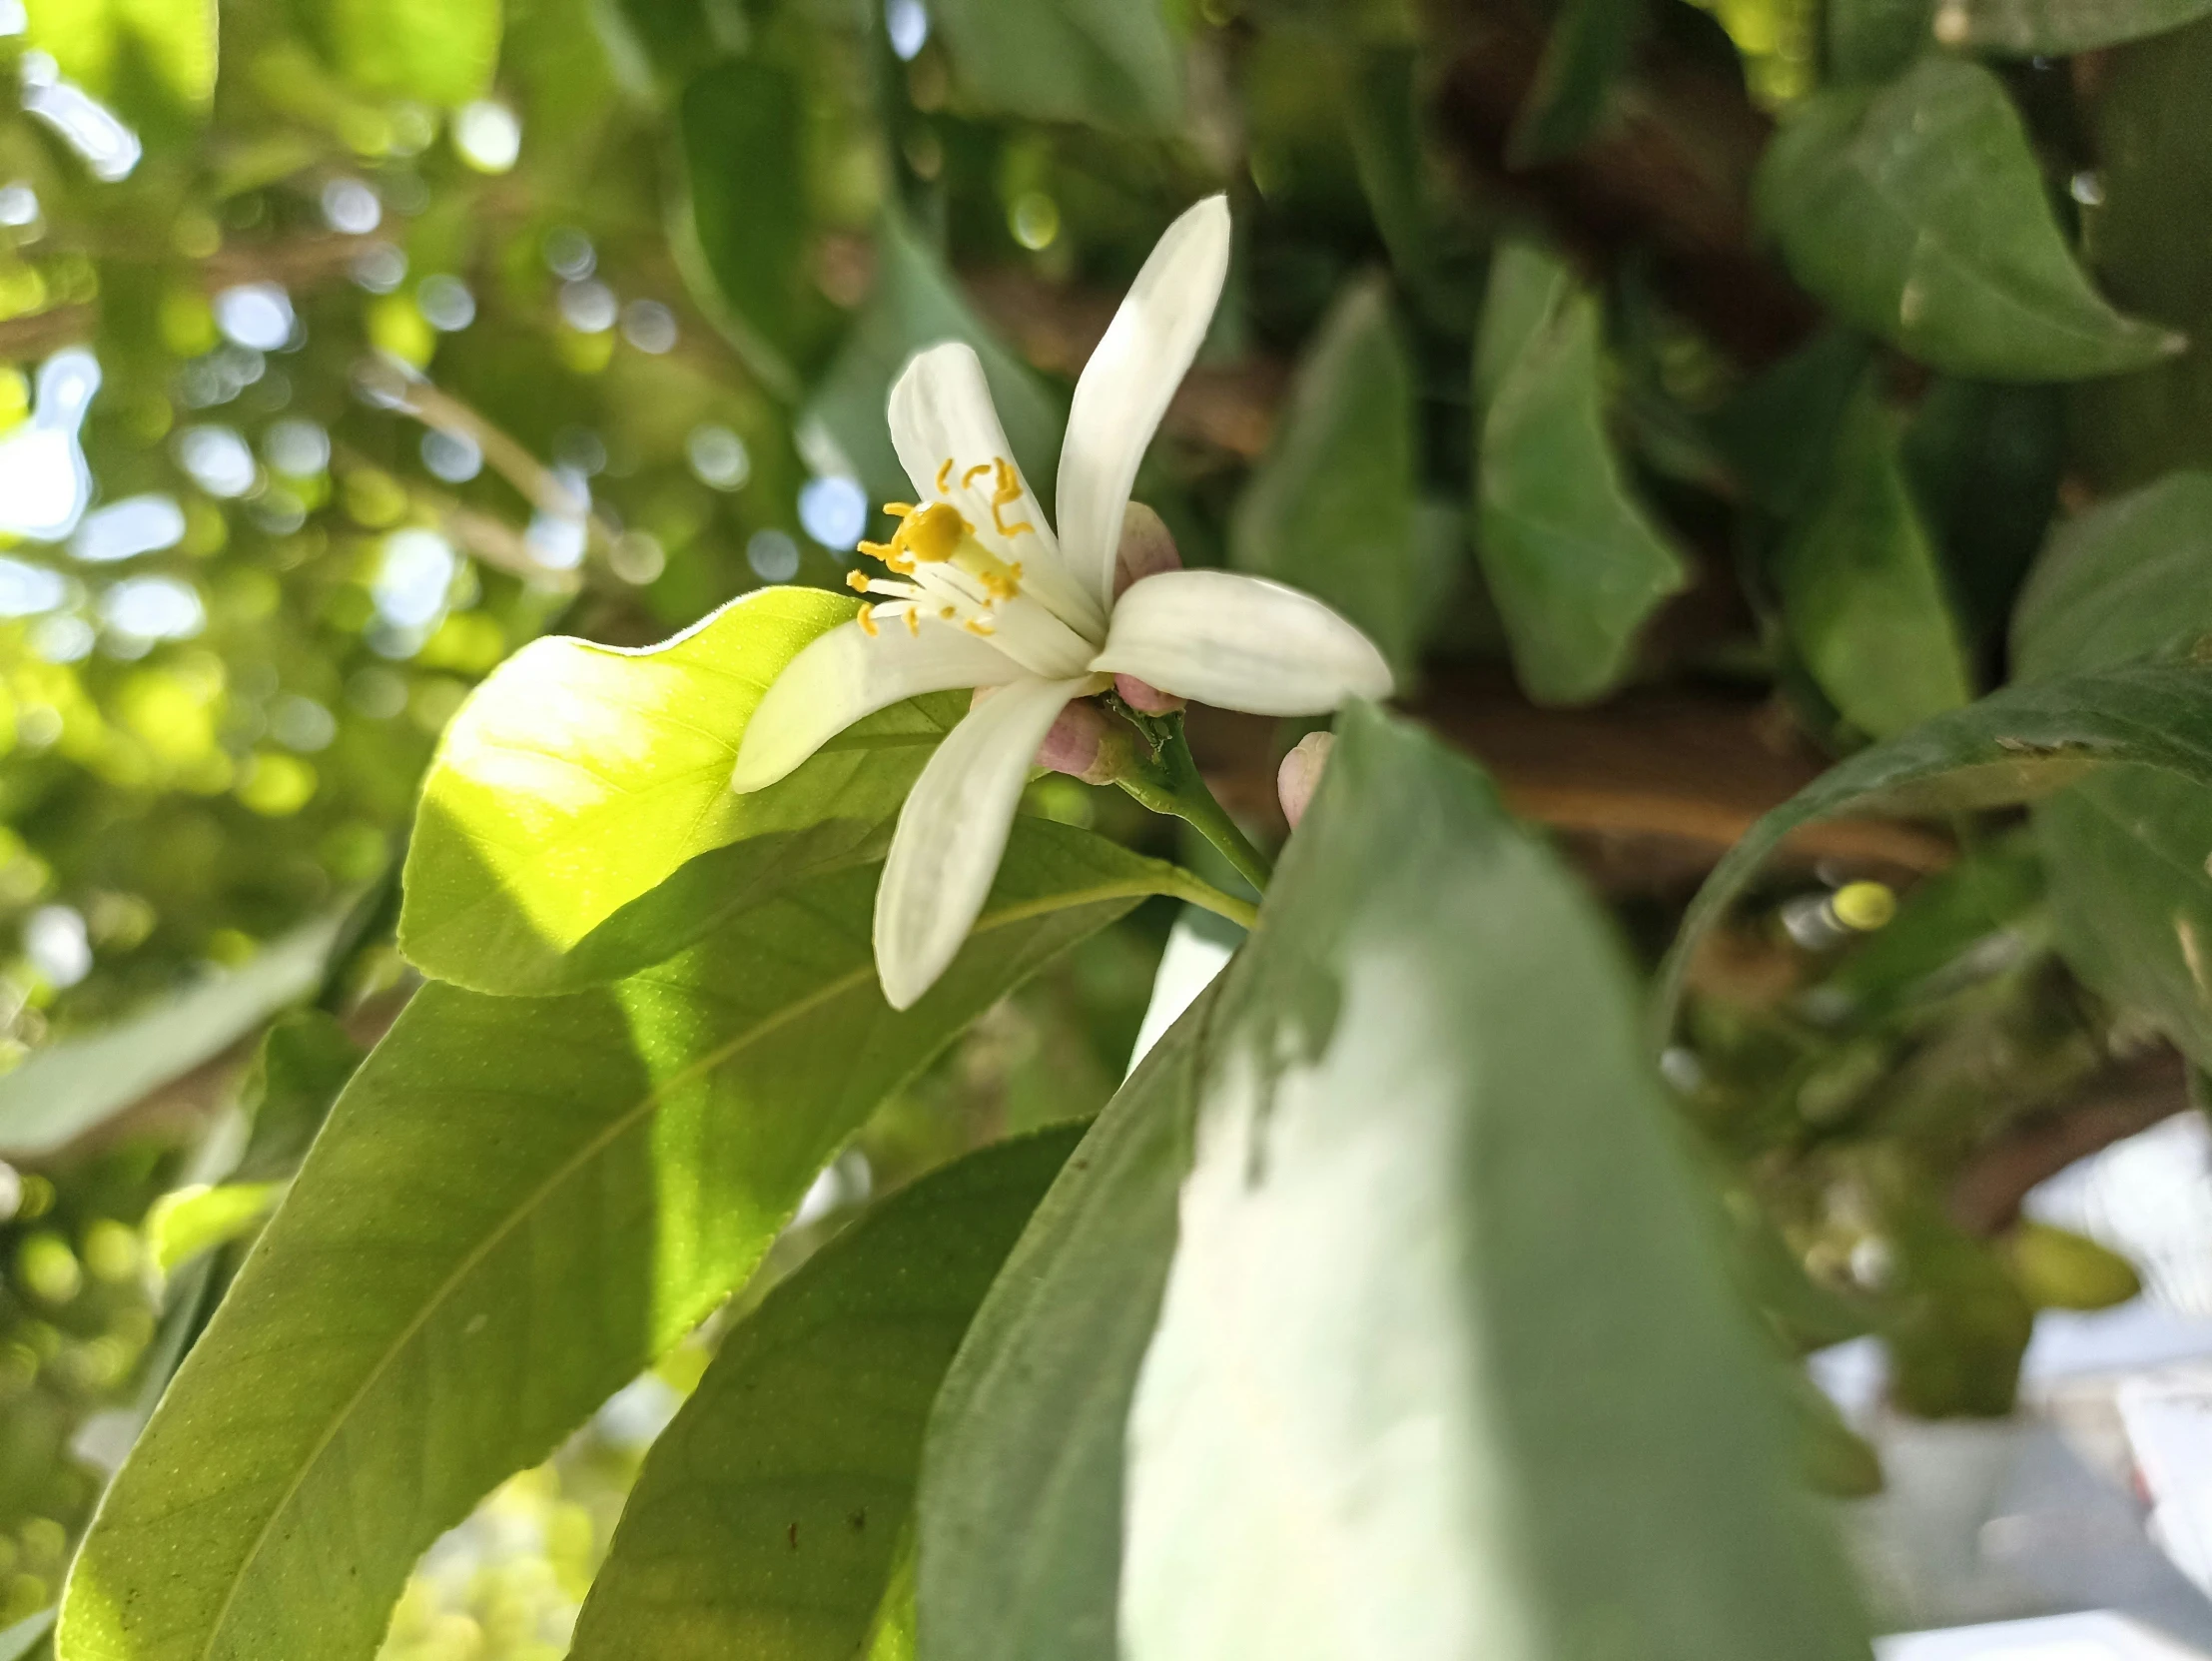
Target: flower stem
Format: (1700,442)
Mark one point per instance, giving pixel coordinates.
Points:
(1170,783)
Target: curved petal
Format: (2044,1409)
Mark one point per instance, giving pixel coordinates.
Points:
(1127,385)
(941,410)
(848,673)
(953,830)
(1240,642)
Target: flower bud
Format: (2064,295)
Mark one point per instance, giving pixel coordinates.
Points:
(1301,774)
(1087,743)
(1146,698)
(1146,548)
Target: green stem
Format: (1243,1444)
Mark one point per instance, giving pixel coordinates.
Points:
(1170,784)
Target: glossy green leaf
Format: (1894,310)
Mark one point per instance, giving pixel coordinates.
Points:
(68,1087)
(131,52)
(1917,211)
(2127,850)
(2058,28)
(914,304)
(1329,508)
(1860,594)
(1424,1135)
(516,1205)
(578,776)
(1590,44)
(441,52)
(768,1517)
(740,225)
(2015,745)
(1021,1501)
(1573,563)
(1112,63)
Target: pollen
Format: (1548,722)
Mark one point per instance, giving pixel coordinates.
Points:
(914,621)
(945,476)
(1008,491)
(975,473)
(857,581)
(979,623)
(867,621)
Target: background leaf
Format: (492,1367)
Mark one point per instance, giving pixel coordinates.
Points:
(1574,563)
(580,776)
(1860,594)
(2058,28)
(768,1515)
(131,51)
(1917,212)
(2129,580)
(1590,44)
(1112,63)
(1329,508)
(516,1205)
(1363,1412)
(442,52)
(1021,1499)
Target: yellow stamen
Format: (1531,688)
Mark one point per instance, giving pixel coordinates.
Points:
(867,620)
(973,473)
(876,550)
(914,621)
(1008,492)
(897,509)
(945,476)
(979,623)
(857,581)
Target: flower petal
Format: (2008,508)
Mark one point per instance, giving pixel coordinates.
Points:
(1240,642)
(1127,385)
(953,830)
(848,673)
(941,410)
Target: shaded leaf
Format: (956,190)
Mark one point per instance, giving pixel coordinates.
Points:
(442,52)
(2127,580)
(1860,594)
(1574,563)
(1984,460)
(1418,216)
(1329,508)
(578,776)
(1021,1501)
(2058,28)
(304,1062)
(1111,63)
(768,1517)
(1590,44)
(516,1205)
(2015,745)
(1424,1131)
(1779,431)
(68,1087)
(1917,211)
(138,54)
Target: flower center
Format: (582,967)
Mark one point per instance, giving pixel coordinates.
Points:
(953,578)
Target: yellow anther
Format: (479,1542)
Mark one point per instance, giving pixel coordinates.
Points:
(1008,491)
(867,621)
(979,623)
(947,612)
(945,476)
(897,509)
(857,581)
(932,535)
(899,565)
(973,473)
(876,550)
(914,621)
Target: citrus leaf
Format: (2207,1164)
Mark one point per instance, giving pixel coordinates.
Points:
(1021,1501)
(516,1205)
(1575,564)
(1448,1357)
(1917,211)
(578,776)
(766,1519)
(1111,63)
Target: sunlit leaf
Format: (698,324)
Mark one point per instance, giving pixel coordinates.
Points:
(2058,28)
(516,1205)
(1112,63)
(1424,1135)
(2015,745)
(1916,209)
(190,1221)
(1574,563)
(768,1517)
(1329,508)
(1860,594)
(1021,1501)
(68,1087)
(578,776)
(130,50)
(442,52)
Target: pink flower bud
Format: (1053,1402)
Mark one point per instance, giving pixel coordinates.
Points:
(1087,743)
(1146,548)
(1301,774)
(1146,698)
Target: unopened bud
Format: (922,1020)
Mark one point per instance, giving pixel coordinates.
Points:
(1087,743)
(1146,698)
(1301,774)
(1146,548)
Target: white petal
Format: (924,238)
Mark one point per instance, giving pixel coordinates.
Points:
(1240,642)
(848,673)
(1127,385)
(941,410)
(953,830)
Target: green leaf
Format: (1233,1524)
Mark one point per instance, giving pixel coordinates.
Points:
(1588,50)
(1872,40)
(138,54)
(189,1220)
(1779,431)
(577,777)
(1860,594)
(1984,460)
(516,1205)
(2058,28)
(2018,745)
(740,222)
(1574,563)
(768,1517)
(915,304)
(441,52)
(304,1062)
(1105,63)
(1021,1501)
(2128,580)
(1329,508)
(68,1087)
(1424,1135)
(1917,211)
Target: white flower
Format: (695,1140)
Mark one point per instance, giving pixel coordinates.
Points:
(982,595)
